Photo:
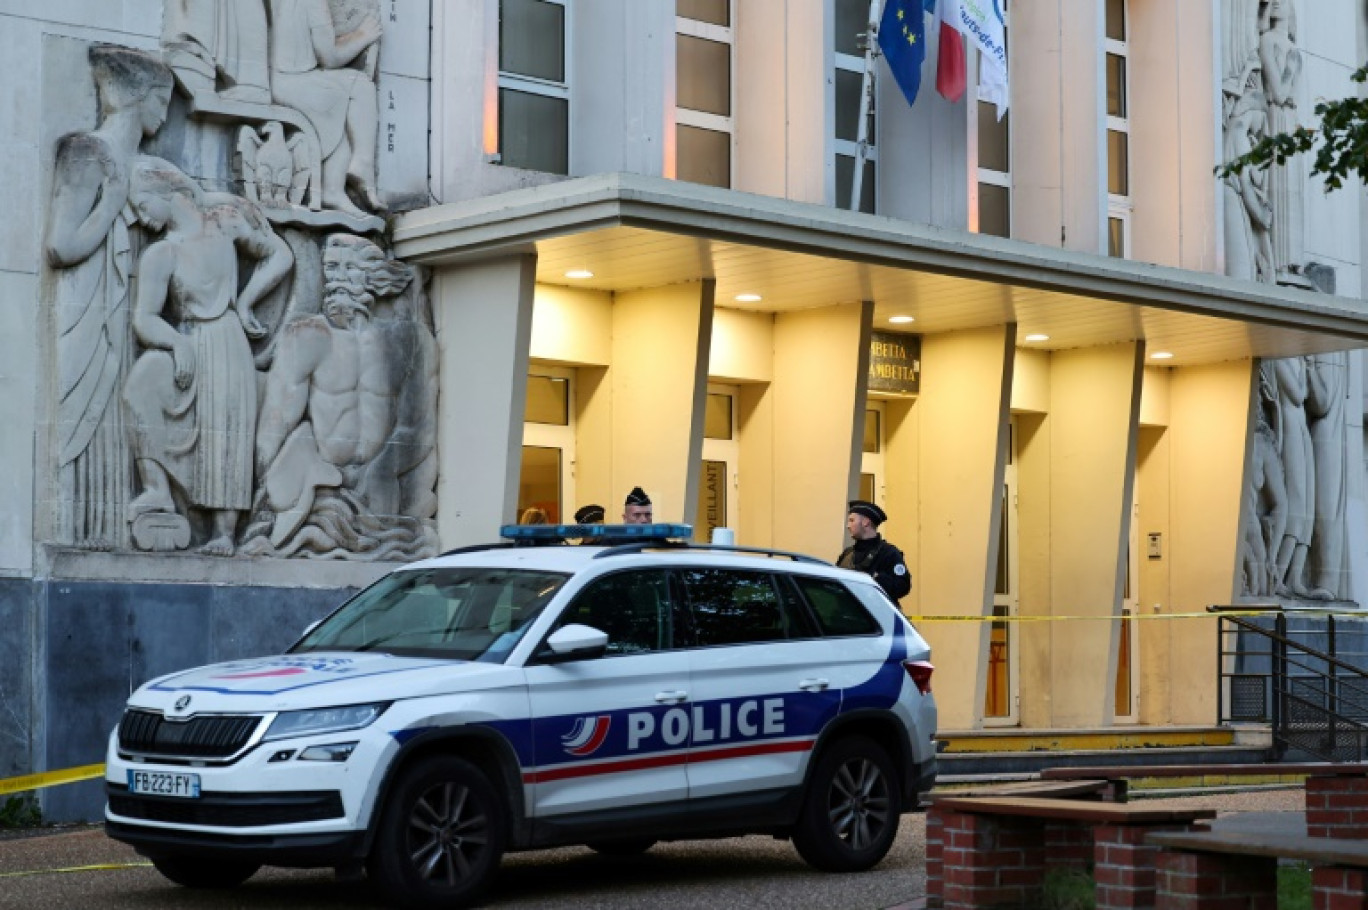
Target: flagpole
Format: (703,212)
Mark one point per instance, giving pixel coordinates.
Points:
(866,102)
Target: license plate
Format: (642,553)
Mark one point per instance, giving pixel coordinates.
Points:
(164,783)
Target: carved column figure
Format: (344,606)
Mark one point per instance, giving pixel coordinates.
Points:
(86,242)
(1282,66)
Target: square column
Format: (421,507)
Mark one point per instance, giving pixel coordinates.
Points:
(483,316)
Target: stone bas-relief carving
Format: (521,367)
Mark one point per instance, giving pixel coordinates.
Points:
(348,421)
(237,377)
(191,396)
(1294,534)
(88,248)
(301,77)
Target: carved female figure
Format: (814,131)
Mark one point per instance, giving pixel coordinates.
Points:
(86,242)
(192,397)
(1282,66)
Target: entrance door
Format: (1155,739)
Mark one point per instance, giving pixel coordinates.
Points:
(1002,695)
(872,454)
(1127,663)
(546,485)
(718,484)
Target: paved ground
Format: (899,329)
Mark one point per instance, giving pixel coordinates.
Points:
(81,867)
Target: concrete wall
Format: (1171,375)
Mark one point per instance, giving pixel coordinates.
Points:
(659,381)
(962,415)
(819,377)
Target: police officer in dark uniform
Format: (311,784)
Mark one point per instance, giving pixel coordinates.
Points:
(872,554)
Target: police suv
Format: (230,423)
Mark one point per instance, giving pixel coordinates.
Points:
(531,694)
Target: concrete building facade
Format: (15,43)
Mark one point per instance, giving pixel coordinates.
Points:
(608,243)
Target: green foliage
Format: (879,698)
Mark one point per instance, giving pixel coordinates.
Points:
(1340,143)
(1067,889)
(20,812)
(1294,887)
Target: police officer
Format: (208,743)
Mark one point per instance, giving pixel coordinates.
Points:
(871,554)
(636,509)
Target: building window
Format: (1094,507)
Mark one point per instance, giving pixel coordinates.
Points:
(849,36)
(993,139)
(703,91)
(534,91)
(1117,57)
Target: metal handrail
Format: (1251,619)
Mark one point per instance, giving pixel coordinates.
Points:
(1328,708)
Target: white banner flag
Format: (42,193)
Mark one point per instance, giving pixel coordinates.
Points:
(982,22)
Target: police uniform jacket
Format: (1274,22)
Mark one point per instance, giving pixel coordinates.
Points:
(882,561)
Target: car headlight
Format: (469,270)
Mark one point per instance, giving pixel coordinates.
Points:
(322,720)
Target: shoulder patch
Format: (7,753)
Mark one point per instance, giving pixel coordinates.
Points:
(900,569)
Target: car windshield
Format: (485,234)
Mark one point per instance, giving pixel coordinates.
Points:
(446,613)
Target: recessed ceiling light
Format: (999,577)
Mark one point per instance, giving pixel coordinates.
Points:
(1162,355)
(1037,336)
(748,298)
(579,273)
(897,320)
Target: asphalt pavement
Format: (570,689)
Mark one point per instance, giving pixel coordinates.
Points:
(52,868)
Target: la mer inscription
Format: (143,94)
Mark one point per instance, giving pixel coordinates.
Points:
(894,363)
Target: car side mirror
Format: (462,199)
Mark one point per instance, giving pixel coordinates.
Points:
(574,642)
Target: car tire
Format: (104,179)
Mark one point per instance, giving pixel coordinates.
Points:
(204,872)
(626,847)
(850,813)
(441,836)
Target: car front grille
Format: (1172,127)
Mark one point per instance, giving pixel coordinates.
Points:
(228,810)
(208,736)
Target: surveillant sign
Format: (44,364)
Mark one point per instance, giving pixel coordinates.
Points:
(894,363)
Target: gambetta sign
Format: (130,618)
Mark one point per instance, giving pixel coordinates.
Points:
(894,363)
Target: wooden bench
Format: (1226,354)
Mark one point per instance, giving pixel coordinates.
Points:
(994,851)
(1336,793)
(1241,869)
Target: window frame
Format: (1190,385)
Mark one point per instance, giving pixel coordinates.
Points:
(848,148)
(533,85)
(1119,206)
(703,120)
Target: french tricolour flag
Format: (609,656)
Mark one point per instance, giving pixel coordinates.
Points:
(951,77)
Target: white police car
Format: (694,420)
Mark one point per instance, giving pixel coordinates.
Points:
(518,696)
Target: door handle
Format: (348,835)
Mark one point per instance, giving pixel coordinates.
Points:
(816,684)
(671,698)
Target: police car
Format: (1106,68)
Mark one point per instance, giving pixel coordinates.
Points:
(537,693)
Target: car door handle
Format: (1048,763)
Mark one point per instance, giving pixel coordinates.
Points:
(814,685)
(671,698)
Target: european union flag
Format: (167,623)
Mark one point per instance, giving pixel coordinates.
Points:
(902,38)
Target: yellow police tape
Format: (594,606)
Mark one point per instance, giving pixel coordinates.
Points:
(1106,617)
(100,867)
(51,778)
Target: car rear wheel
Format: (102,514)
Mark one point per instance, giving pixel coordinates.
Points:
(850,814)
(202,872)
(441,836)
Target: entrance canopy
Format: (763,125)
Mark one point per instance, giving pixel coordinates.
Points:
(635,232)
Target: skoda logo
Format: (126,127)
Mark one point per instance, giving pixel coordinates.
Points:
(183,702)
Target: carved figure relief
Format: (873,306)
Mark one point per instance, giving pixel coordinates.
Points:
(191,396)
(1282,67)
(346,430)
(239,373)
(87,245)
(1294,533)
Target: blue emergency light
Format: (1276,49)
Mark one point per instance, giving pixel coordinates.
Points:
(615,533)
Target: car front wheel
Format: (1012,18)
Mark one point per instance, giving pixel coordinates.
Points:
(441,836)
(850,814)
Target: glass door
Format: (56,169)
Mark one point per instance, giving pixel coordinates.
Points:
(1002,693)
(718,481)
(546,485)
(1127,666)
